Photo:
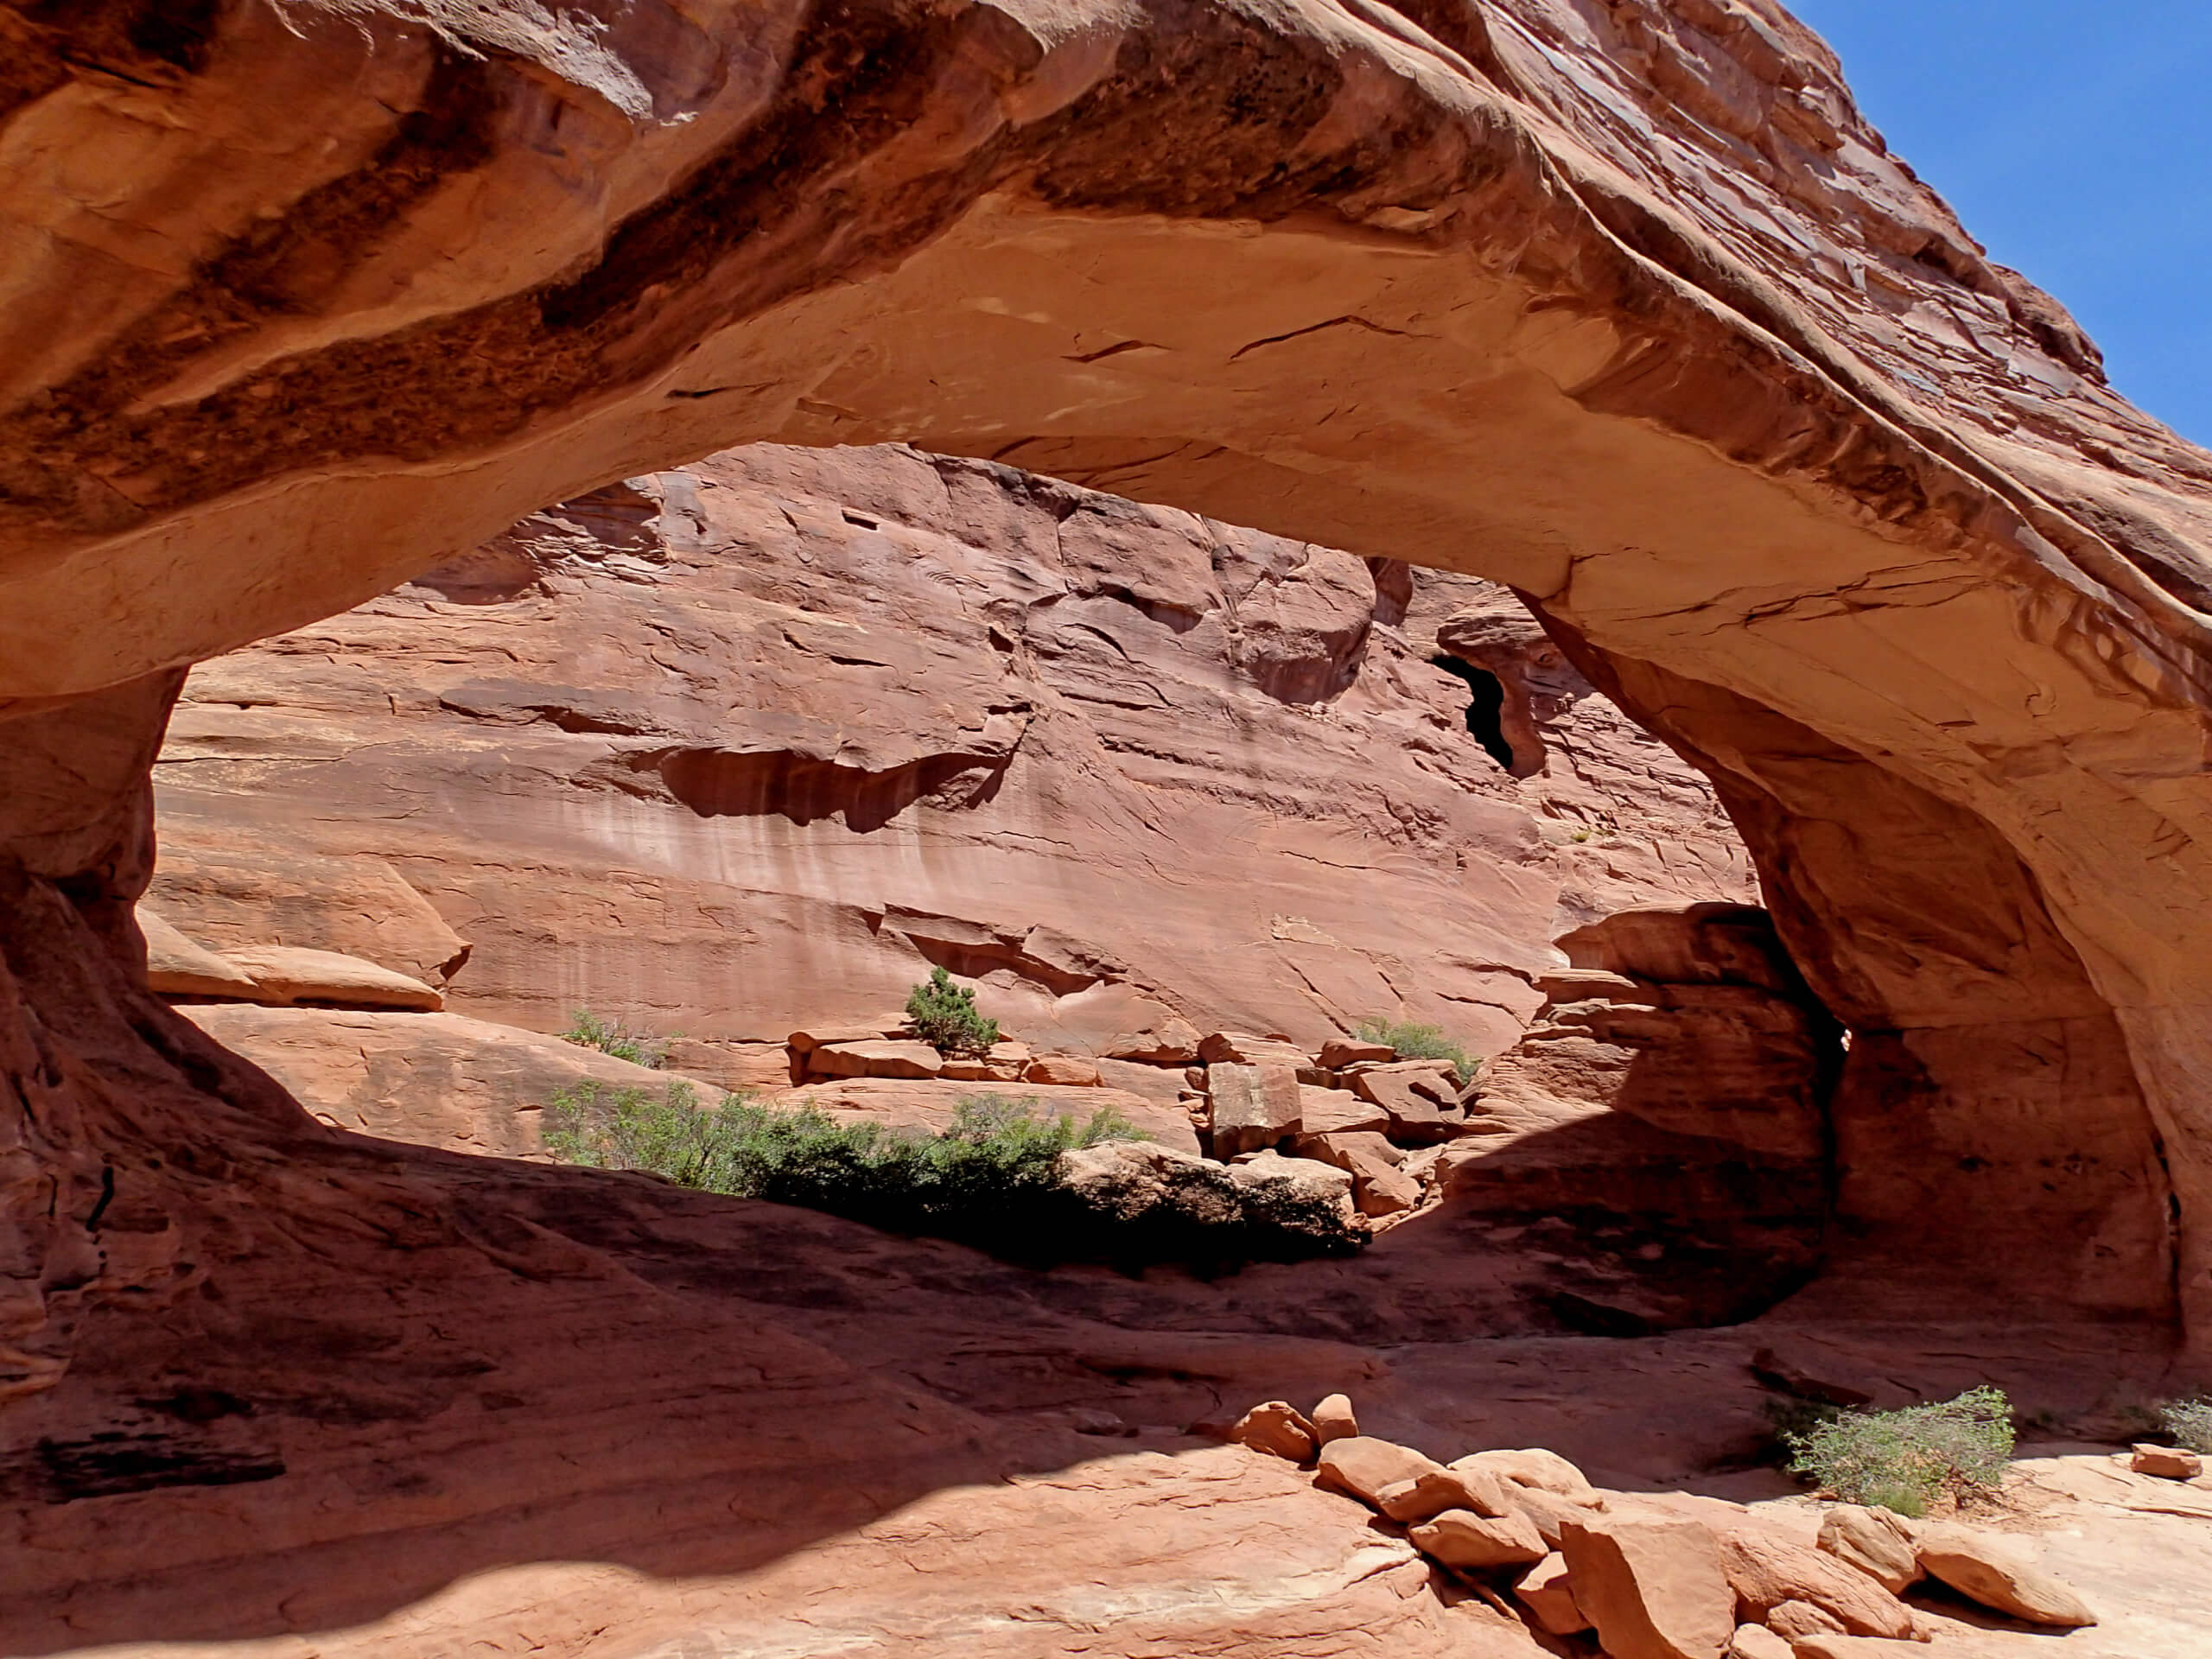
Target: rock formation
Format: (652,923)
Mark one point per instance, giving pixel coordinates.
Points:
(1625,305)
(759,743)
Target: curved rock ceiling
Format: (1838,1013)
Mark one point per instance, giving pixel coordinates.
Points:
(1618,301)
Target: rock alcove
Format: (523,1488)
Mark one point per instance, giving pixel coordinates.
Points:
(1622,305)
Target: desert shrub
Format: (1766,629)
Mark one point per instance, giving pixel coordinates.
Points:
(2188,1422)
(997,1160)
(1417,1042)
(992,1179)
(588,1030)
(1904,1460)
(944,1016)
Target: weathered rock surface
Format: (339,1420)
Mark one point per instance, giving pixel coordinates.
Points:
(760,742)
(1998,1573)
(1478,1543)
(1875,1542)
(1766,1572)
(1654,1587)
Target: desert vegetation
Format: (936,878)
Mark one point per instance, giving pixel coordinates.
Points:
(1420,1042)
(998,1178)
(944,1015)
(1911,1459)
(586,1030)
(2188,1422)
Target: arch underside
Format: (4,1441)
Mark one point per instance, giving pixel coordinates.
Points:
(1391,287)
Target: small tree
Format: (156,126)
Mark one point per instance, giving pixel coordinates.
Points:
(945,1016)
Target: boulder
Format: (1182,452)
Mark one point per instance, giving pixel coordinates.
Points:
(1070,1071)
(1155,1082)
(1278,1429)
(1830,1645)
(1550,1511)
(2167,1462)
(1478,1543)
(1380,1186)
(1427,1495)
(1341,1051)
(1162,1041)
(1241,1048)
(1654,1586)
(1333,1419)
(1361,1466)
(1797,1620)
(1253,1106)
(284,975)
(1419,1096)
(1875,1542)
(1300,1180)
(879,1057)
(1339,1111)
(807,1039)
(1766,1570)
(1997,1572)
(1756,1641)
(1546,1470)
(177,966)
(1546,1590)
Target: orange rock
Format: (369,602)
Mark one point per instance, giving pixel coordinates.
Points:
(289,974)
(1333,1419)
(2166,1462)
(1797,1620)
(1654,1587)
(1361,1466)
(1535,1466)
(177,966)
(1068,1069)
(1546,1590)
(880,1057)
(1997,1572)
(1253,1107)
(1756,1641)
(1875,1542)
(1278,1429)
(1463,1539)
(1340,1051)
(1766,1572)
(1428,1495)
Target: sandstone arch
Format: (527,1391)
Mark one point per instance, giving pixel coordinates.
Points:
(1622,303)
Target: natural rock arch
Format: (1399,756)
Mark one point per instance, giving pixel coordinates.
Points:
(1620,303)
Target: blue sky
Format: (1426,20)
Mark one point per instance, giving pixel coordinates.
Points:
(2075,139)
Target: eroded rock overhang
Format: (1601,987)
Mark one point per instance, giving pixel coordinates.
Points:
(1623,305)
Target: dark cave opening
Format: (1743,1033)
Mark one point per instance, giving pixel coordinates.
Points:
(1486,701)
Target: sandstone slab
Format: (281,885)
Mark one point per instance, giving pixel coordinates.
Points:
(1654,1588)
(1998,1574)
(286,974)
(1478,1543)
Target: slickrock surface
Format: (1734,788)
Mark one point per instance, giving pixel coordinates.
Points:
(760,741)
(1624,305)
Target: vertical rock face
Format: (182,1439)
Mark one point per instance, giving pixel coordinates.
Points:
(1623,305)
(763,740)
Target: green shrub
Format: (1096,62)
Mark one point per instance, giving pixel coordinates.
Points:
(944,1015)
(996,1153)
(1904,1460)
(2189,1423)
(588,1030)
(991,1180)
(1415,1042)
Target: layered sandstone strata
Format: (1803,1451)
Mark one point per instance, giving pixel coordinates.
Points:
(758,743)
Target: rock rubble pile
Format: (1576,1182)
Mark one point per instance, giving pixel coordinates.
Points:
(1664,1575)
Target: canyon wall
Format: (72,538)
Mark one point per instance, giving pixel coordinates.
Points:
(1622,304)
(757,742)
